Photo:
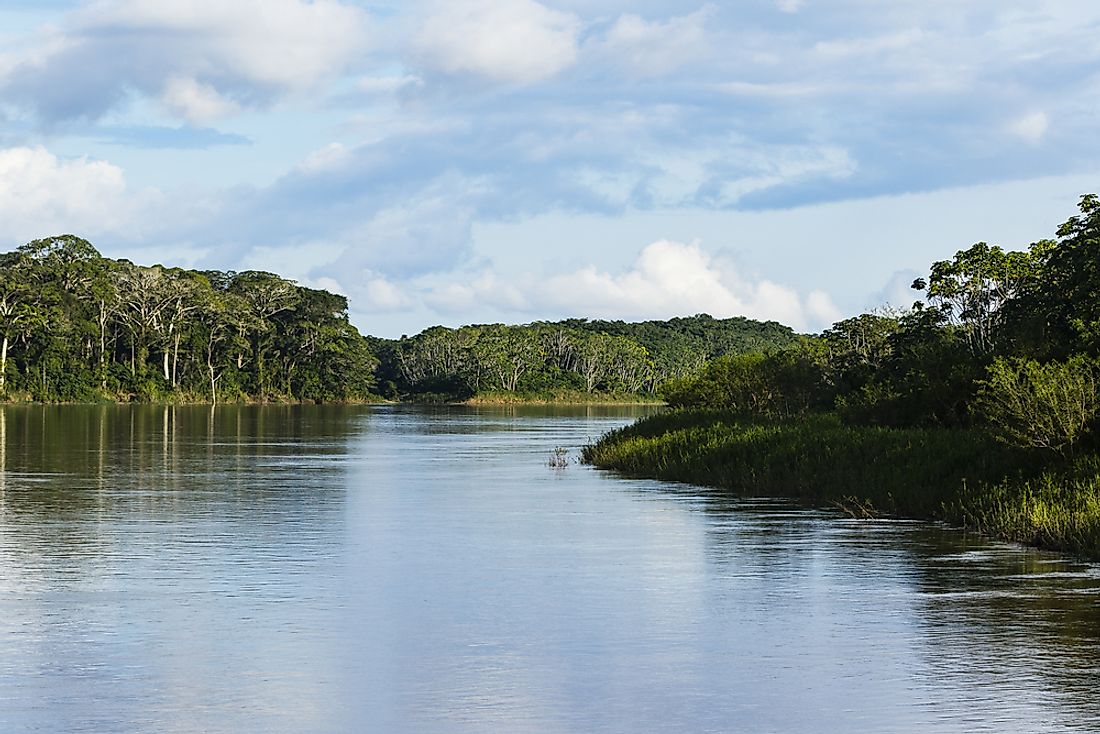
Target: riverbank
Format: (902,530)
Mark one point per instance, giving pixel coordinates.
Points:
(182,399)
(962,477)
(488,399)
(562,397)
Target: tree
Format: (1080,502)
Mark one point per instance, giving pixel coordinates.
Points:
(1064,296)
(146,293)
(972,288)
(65,257)
(17,313)
(593,359)
(629,364)
(507,353)
(858,348)
(266,295)
(735,382)
(1045,406)
(75,326)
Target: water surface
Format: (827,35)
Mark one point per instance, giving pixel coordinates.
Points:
(353,569)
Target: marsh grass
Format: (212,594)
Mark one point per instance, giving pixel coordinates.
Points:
(960,476)
(562,397)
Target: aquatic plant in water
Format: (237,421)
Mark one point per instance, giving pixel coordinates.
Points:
(559,458)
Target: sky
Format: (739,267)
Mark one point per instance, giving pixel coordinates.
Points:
(474,161)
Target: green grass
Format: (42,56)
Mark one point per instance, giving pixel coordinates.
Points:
(960,476)
(562,397)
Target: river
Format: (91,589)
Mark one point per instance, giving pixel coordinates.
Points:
(391,569)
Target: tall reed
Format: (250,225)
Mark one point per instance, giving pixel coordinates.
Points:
(960,476)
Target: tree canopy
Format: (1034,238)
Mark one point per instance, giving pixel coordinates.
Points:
(76,326)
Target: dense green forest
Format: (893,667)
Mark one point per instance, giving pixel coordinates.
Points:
(979,405)
(1005,340)
(78,327)
(1009,340)
(573,358)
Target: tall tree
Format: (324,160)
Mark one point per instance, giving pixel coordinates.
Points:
(973,287)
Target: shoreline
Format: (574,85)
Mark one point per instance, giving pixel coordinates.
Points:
(957,476)
(475,401)
(600,399)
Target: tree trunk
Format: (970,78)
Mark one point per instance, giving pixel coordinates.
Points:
(102,334)
(4,364)
(175,361)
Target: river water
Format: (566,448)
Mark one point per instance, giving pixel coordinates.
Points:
(392,569)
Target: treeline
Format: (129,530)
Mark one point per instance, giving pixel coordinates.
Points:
(1007,339)
(979,406)
(76,326)
(575,356)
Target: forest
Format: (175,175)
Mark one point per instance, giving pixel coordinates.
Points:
(572,360)
(979,405)
(1006,340)
(79,327)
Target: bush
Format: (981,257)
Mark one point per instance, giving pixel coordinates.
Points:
(1044,406)
(782,383)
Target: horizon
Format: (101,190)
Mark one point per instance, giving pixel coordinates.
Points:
(496,161)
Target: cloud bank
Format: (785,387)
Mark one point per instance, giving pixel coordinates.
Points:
(368,143)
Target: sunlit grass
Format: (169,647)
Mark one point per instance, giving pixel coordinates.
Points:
(961,476)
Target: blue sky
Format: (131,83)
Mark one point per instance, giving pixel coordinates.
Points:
(513,160)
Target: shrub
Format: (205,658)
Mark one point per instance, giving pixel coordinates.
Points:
(1044,406)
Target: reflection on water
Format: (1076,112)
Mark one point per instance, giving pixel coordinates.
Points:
(346,569)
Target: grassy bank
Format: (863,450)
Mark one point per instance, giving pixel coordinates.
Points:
(960,476)
(562,397)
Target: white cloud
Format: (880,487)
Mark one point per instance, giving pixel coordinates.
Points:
(427,231)
(778,90)
(196,102)
(871,45)
(481,290)
(380,294)
(766,167)
(41,195)
(897,293)
(331,157)
(820,309)
(513,41)
(387,84)
(668,279)
(286,43)
(790,6)
(202,58)
(1030,128)
(648,48)
(674,279)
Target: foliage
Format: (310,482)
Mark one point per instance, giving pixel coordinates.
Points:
(75,326)
(960,476)
(1008,339)
(1062,301)
(926,377)
(783,383)
(1044,406)
(609,358)
(972,289)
